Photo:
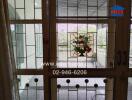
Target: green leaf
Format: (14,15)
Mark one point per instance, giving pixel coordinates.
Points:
(86,40)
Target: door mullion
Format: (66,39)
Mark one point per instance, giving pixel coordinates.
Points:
(122,35)
(45,26)
(53,45)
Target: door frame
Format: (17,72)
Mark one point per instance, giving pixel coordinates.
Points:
(119,73)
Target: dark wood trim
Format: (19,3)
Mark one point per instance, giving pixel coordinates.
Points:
(59,21)
(92,72)
(86,17)
(29,72)
(130,72)
(94,21)
(26,21)
(86,21)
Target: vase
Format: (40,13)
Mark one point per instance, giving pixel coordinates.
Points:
(81,54)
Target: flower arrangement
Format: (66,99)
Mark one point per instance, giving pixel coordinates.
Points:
(81,45)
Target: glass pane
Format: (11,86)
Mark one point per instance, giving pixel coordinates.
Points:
(19,3)
(39,62)
(82,12)
(21,63)
(20,43)
(84,89)
(102,11)
(25,9)
(11,3)
(61,11)
(31,63)
(101,36)
(29,9)
(20,12)
(92,11)
(39,45)
(82,7)
(129,89)
(19,28)
(28,45)
(81,45)
(31,87)
(130,53)
(38,4)
(38,14)
(38,28)
(30,38)
(72,11)
(93,2)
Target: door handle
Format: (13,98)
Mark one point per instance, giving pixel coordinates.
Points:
(124,58)
(118,58)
